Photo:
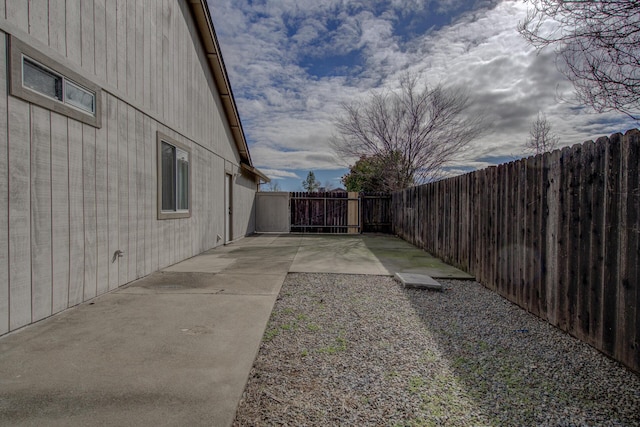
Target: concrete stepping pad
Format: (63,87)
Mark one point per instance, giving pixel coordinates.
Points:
(419,281)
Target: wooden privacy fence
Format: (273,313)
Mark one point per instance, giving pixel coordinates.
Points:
(340,212)
(558,234)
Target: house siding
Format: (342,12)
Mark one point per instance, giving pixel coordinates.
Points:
(71,194)
(244,221)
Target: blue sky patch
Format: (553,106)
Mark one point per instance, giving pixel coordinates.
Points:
(495,160)
(333,65)
(459,168)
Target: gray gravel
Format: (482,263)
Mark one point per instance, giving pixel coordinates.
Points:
(361,350)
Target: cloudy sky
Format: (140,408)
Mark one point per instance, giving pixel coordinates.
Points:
(293,62)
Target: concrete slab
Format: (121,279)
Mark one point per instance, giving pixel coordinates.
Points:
(259,268)
(336,254)
(263,253)
(397,255)
(265,240)
(169,282)
(173,348)
(419,281)
(249,284)
(368,254)
(133,360)
(202,264)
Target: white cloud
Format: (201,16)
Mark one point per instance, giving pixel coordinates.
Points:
(279,174)
(287,113)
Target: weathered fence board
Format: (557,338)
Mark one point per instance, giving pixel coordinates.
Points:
(630,194)
(558,234)
(612,245)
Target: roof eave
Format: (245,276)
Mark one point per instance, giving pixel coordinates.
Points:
(256,172)
(200,11)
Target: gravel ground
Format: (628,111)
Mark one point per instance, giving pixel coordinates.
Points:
(361,350)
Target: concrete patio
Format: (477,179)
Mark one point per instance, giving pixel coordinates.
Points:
(176,347)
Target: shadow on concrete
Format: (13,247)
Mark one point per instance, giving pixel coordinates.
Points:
(397,255)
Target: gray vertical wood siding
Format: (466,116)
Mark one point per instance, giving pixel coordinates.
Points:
(71,195)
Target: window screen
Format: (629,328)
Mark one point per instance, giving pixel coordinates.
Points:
(168,177)
(41,80)
(182,182)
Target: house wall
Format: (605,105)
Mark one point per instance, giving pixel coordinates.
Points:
(244,210)
(71,195)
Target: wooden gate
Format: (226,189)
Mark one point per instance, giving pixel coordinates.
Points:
(340,212)
(325,212)
(376,212)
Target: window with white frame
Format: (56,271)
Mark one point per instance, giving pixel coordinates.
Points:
(38,79)
(173,178)
(79,97)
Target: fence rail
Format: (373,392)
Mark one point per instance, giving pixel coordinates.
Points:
(558,234)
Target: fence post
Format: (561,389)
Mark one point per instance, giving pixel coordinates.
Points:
(353,212)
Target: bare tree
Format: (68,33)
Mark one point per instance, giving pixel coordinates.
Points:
(541,139)
(273,186)
(328,185)
(418,130)
(596,44)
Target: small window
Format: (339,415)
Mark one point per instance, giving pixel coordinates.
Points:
(38,79)
(173,179)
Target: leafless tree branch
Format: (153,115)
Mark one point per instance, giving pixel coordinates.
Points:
(417,130)
(597,44)
(541,139)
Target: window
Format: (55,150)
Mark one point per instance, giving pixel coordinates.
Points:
(79,97)
(173,179)
(45,82)
(38,78)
